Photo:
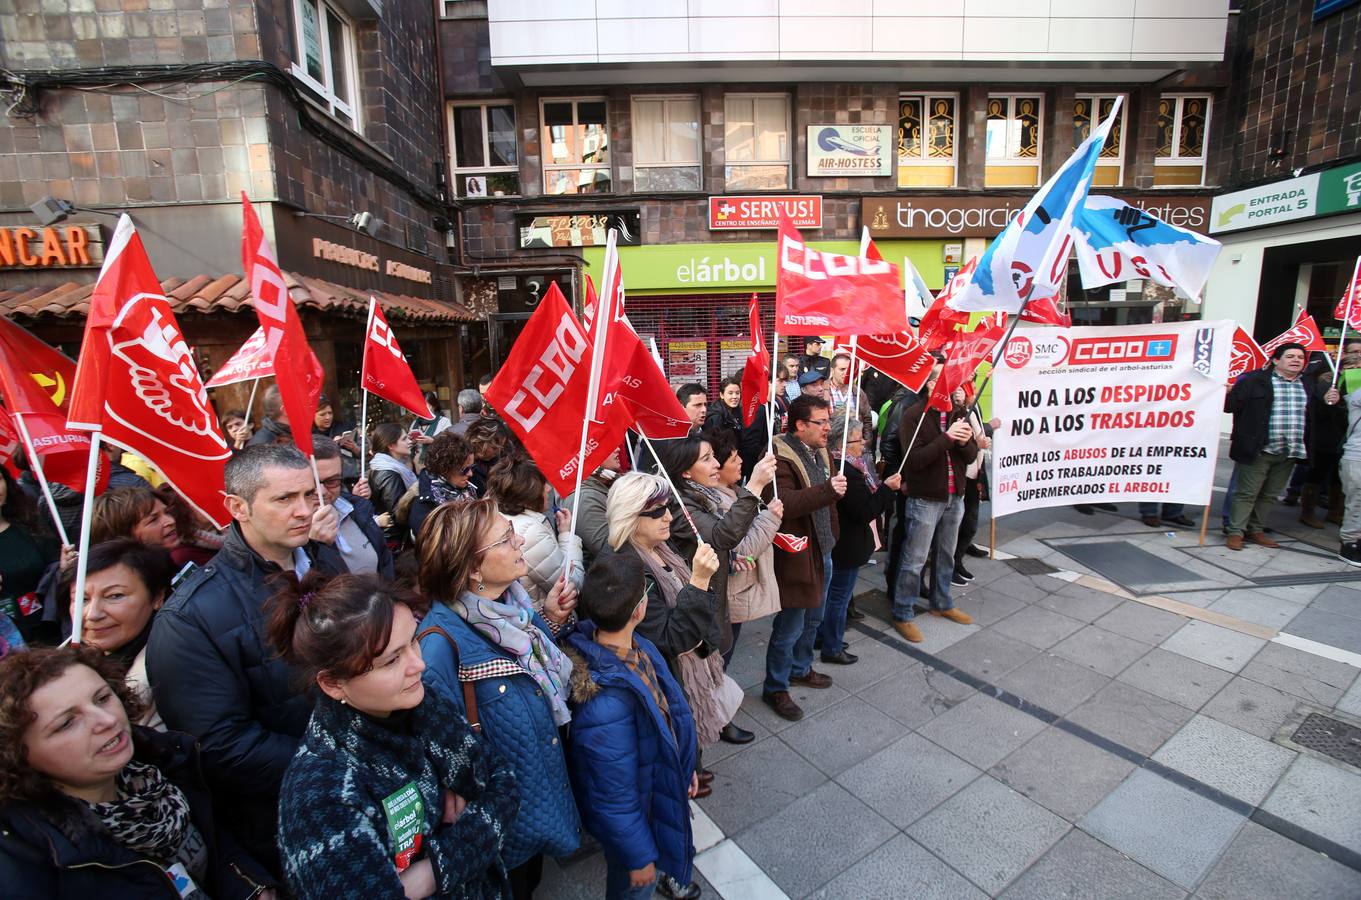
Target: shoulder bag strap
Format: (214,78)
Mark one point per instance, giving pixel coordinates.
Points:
(469,693)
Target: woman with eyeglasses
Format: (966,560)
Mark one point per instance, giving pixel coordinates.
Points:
(447,478)
(523,495)
(483,642)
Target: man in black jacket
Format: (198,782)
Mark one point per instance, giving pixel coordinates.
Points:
(358,536)
(1270,435)
(211,673)
(813,360)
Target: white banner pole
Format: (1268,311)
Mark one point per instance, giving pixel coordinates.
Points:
(83,554)
(36,464)
(1352,291)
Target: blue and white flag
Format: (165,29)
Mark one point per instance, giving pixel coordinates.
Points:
(1030,256)
(1117,242)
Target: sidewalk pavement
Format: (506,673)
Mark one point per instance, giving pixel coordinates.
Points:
(1081,739)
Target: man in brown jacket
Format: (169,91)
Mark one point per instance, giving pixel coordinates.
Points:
(939,447)
(809,489)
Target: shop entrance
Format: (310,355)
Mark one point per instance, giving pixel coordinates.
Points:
(1312,275)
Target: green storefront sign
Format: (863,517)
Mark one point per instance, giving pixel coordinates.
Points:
(1339,190)
(728,268)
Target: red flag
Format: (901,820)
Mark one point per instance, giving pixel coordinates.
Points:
(899,356)
(152,401)
(756,371)
(1348,309)
(1246,355)
(1304,331)
(791,543)
(588,308)
(249,362)
(10,443)
(964,355)
(386,371)
(940,323)
(1046,311)
(819,292)
(541,393)
(299,374)
(35,383)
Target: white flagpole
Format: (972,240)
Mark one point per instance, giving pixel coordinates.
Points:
(364,434)
(775,360)
(599,325)
(86,516)
(250,404)
(850,387)
(1352,291)
(915,432)
(675,491)
(36,464)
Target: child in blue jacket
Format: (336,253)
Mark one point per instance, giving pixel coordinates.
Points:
(631,750)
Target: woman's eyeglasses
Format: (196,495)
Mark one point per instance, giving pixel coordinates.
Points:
(506,539)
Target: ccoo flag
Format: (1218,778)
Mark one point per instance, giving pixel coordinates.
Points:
(1117,242)
(386,371)
(818,292)
(1031,253)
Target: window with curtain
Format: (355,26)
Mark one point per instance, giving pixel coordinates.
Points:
(756,141)
(1089,111)
(927,156)
(666,145)
(1182,137)
(483,145)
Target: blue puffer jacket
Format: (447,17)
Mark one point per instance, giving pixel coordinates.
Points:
(630,769)
(517,721)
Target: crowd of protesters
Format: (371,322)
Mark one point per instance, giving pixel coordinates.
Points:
(421,672)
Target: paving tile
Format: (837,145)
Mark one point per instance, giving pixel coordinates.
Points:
(982,730)
(1063,773)
(937,633)
(1039,627)
(1080,866)
(1214,645)
(757,784)
(877,660)
(989,833)
(988,654)
(988,607)
(723,750)
(1322,798)
(1081,602)
(1021,588)
(1170,830)
(841,736)
(1132,718)
(1203,599)
(916,695)
(900,868)
(1351,701)
(1240,764)
(1306,675)
(1253,707)
(814,838)
(1105,651)
(1055,683)
(1141,622)
(1340,599)
(1262,865)
(907,779)
(811,699)
(1175,677)
(1258,608)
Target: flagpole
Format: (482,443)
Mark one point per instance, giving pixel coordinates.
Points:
(364,434)
(598,325)
(850,387)
(674,490)
(87,512)
(915,432)
(1352,291)
(775,360)
(250,404)
(37,466)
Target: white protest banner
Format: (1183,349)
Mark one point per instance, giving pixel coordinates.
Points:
(1109,414)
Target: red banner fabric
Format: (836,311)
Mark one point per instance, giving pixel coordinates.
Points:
(821,293)
(756,371)
(1348,309)
(1046,311)
(941,322)
(249,362)
(299,375)
(963,357)
(1304,331)
(386,371)
(1246,356)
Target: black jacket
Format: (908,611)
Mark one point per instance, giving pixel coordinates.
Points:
(930,451)
(1250,401)
(721,416)
(66,852)
(808,363)
(363,516)
(691,623)
(214,676)
(856,510)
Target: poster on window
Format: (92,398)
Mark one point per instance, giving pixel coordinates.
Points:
(1110,414)
(687,361)
(838,151)
(732,356)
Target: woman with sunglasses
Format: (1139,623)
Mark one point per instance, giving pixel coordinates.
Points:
(482,630)
(447,478)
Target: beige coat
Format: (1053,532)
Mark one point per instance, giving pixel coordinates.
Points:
(753,593)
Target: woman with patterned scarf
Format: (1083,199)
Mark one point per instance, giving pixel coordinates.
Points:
(447,479)
(94,806)
(483,636)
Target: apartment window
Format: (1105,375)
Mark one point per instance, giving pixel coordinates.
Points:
(1089,111)
(1183,134)
(1013,141)
(756,141)
(926,140)
(577,146)
(666,144)
(324,57)
(485,162)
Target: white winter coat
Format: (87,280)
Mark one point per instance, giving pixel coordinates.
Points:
(546,553)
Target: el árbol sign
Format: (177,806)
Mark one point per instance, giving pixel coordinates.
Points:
(741,212)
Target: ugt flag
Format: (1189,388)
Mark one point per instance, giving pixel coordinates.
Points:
(1246,355)
(1117,242)
(756,370)
(940,322)
(817,292)
(137,384)
(386,371)
(1349,307)
(1304,331)
(297,372)
(964,354)
(249,362)
(1030,256)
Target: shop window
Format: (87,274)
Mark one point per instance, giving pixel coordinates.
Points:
(482,141)
(576,147)
(324,57)
(666,144)
(1013,141)
(1089,111)
(1183,135)
(926,140)
(756,141)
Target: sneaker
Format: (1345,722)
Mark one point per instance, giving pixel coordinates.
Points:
(958,580)
(670,887)
(963,572)
(1350,553)
(954,615)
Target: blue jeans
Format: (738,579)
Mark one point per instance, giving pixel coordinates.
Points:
(617,885)
(839,590)
(927,520)
(1168,509)
(790,651)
